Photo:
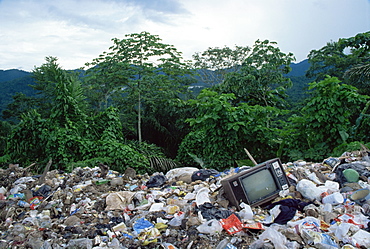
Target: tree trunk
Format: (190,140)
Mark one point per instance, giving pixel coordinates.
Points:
(139,115)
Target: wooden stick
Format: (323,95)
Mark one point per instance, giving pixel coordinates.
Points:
(30,166)
(42,178)
(250,156)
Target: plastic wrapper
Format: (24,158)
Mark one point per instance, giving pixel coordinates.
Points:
(319,240)
(142,224)
(232,224)
(119,200)
(359,219)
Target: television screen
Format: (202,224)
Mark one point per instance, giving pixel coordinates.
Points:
(259,185)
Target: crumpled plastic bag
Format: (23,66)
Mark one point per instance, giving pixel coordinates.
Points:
(119,200)
(142,224)
(177,219)
(270,234)
(361,237)
(202,196)
(341,230)
(181,174)
(309,190)
(246,213)
(43,191)
(210,227)
(157,180)
(209,212)
(203,174)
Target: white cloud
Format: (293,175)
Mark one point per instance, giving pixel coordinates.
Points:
(78,31)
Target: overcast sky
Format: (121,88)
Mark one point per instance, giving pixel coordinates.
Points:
(76,31)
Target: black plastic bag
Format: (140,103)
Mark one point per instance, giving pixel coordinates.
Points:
(359,167)
(156,181)
(43,191)
(210,212)
(203,174)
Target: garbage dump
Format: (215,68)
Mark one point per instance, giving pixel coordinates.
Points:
(327,205)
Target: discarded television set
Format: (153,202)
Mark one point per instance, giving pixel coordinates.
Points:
(257,185)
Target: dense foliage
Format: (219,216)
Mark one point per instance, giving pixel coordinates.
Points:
(220,131)
(329,118)
(134,104)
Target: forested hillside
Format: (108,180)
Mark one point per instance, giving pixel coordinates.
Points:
(17,81)
(12,74)
(11,82)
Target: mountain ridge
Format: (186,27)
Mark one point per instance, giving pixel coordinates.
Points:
(16,80)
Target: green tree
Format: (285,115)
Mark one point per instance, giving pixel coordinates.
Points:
(68,135)
(326,120)
(359,76)
(261,79)
(141,72)
(214,63)
(45,77)
(337,57)
(69,101)
(5,130)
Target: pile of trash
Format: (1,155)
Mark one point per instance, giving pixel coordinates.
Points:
(326,206)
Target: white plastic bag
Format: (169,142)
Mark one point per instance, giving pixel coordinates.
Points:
(332,186)
(177,219)
(270,234)
(181,174)
(211,227)
(309,190)
(361,237)
(246,213)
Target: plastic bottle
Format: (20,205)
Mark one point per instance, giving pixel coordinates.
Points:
(22,203)
(335,198)
(328,207)
(223,243)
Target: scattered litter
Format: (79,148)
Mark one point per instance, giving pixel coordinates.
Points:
(325,205)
